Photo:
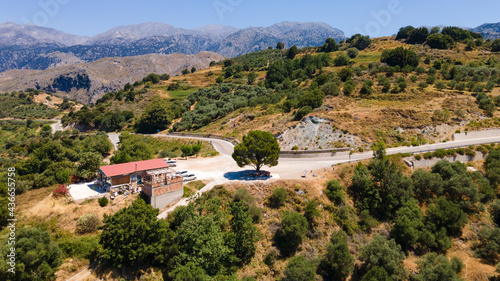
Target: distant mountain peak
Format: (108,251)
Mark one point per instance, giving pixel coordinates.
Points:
(12,33)
(489,30)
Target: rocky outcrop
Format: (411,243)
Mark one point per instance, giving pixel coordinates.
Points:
(314,133)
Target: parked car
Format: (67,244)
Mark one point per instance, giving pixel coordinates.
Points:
(171,162)
(189,177)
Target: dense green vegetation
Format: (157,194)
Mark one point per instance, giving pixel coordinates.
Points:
(36,256)
(136,148)
(211,237)
(22,105)
(440,39)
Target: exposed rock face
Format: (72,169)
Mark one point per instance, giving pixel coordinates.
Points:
(104,75)
(33,47)
(489,30)
(317,133)
(290,33)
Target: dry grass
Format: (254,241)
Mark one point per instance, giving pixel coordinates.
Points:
(39,208)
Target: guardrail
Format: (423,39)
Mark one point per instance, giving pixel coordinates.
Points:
(209,136)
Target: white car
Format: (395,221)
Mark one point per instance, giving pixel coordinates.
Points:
(189,177)
(182,173)
(172,163)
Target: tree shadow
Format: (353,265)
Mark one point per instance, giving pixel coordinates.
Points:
(246,175)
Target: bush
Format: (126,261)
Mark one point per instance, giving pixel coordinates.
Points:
(303,111)
(294,227)
(299,269)
(342,60)
(352,52)
(37,257)
(87,224)
(278,197)
(337,263)
(386,254)
(60,191)
(400,57)
(495,212)
(103,201)
(334,192)
(80,247)
(488,245)
(434,267)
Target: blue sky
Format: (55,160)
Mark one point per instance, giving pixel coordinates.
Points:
(372,17)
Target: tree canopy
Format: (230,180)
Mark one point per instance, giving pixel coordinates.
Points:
(257,149)
(400,57)
(37,256)
(132,235)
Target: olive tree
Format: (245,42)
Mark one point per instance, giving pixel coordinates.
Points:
(257,149)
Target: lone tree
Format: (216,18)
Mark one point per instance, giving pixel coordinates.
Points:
(257,149)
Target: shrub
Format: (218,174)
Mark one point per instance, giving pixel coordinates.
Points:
(386,254)
(303,111)
(271,256)
(352,52)
(299,269)
(434,267)
(400,57)
(294,227)
(87,223)
(337,263)
(37,256)
(342,60)
(334,192)
(60,191)
(488,245)
(278,197)
(103,201)
(495,212)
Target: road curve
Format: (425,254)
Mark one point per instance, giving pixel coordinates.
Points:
(288,168)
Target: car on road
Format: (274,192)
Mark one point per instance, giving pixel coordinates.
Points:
(171,162)
(189,177)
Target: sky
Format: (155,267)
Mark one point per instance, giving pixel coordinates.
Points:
(370,17)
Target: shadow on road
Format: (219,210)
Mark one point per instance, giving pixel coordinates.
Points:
(244,176)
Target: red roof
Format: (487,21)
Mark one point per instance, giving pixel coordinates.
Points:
(129,168)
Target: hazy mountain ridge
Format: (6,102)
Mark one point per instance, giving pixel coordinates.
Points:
(489,30)
(27,35)
(156,38)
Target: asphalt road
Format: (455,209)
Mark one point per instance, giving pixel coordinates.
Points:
(222,169)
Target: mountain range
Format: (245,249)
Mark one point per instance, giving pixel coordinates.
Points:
(489,30)
(34,47)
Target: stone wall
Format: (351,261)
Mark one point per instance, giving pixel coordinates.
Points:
(166,199)
(477,134)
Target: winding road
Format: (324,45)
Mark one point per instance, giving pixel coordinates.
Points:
(223,169)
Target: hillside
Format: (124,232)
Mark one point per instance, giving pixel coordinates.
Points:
(401,107)
(87,82)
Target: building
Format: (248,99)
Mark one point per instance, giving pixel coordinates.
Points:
(161,185)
